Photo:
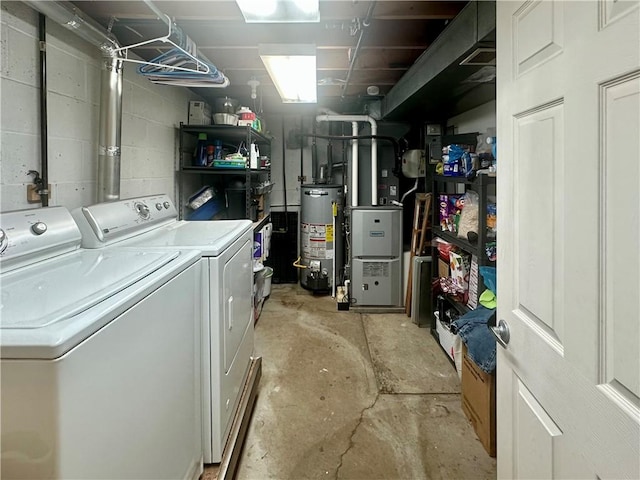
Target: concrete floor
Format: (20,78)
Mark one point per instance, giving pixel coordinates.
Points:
(354,396)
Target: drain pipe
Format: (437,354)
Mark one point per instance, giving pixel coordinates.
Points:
(354,119)
(110,127)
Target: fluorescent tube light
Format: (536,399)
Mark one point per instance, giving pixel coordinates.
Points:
(280,11)
(293,71)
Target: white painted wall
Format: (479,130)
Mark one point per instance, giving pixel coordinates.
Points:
(151,117)
(478,119)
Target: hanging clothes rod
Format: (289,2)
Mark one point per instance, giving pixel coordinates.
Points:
(201,67)
(180,66)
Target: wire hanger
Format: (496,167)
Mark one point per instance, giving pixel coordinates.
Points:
(179,66)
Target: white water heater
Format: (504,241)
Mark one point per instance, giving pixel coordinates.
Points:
(320,239)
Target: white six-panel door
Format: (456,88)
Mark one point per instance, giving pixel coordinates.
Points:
(568,403)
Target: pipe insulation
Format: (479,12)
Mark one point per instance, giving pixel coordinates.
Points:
(110,126)
(355,119)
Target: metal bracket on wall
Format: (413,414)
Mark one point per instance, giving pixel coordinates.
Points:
(36,189)
(302,178)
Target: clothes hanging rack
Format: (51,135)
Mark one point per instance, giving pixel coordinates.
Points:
(180,66)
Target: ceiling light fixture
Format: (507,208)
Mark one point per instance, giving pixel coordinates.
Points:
(292,69)
(258,8)
(280,11)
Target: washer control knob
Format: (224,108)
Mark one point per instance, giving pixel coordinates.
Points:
(143,210)
(166,205)
(4,241)
(39,228)
(158,206)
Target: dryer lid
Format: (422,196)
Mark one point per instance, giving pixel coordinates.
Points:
(212,238)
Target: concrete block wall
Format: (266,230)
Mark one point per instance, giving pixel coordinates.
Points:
(151,118)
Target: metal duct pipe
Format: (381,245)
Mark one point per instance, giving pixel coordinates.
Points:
(354,119)
(109,135)
(71,18)
(110,127)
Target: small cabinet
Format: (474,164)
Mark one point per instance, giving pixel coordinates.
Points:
(480,250)
(240,191)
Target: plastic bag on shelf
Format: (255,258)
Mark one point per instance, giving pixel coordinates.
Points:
(469,216)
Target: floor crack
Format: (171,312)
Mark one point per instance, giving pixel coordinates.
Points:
(353,433)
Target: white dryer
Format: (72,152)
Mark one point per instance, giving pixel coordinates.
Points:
(99,356)
(227,295)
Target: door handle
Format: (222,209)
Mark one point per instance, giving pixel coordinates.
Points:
(501,332)
(230,310)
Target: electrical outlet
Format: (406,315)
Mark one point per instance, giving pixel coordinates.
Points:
(32,193)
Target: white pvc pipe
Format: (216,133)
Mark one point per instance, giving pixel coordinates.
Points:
(354,119)
(374,163)
(355,165)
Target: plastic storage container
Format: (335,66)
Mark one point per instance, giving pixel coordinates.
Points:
(266,288)
(207,211)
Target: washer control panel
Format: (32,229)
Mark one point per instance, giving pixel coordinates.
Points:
(106,223)
(4,241)
(27,236)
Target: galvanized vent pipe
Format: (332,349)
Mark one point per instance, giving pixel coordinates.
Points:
(110,127)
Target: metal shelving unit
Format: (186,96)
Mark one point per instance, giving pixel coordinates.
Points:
(191,178)
(483,185)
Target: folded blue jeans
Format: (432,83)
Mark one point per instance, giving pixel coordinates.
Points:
(474,331)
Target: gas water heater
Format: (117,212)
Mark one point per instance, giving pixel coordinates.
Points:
(321,248)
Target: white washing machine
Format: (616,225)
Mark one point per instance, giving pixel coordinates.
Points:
(227,295)
(99,356)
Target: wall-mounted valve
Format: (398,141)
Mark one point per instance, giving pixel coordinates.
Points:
(36,189)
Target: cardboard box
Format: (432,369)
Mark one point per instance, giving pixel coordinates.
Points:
(443,268)
(479,401)
(472,302)
(460,266)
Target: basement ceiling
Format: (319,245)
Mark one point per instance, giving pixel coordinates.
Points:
(397,35)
